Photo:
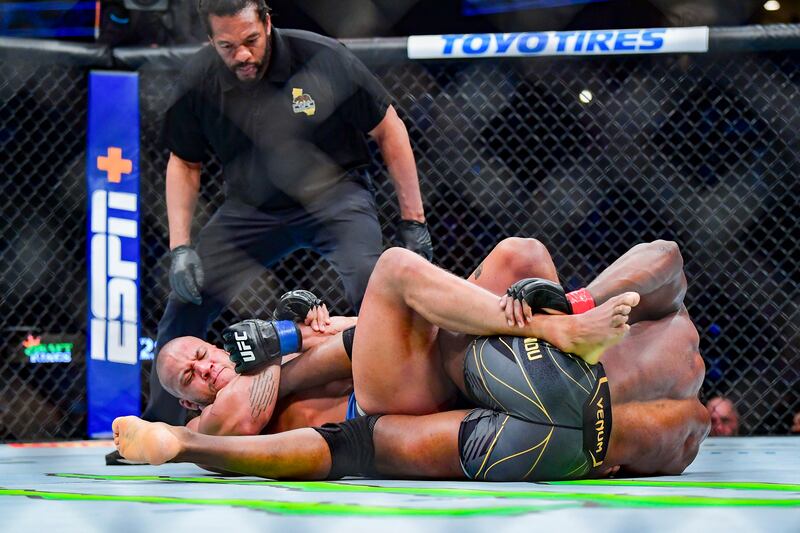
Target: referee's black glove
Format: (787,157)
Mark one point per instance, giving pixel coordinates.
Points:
(414,236)
(186,274)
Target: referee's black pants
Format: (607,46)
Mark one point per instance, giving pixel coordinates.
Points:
(240,241)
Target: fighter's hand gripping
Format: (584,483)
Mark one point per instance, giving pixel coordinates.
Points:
(304,307)
(414,236)
(186,274)
(252,344)
(541,295)
(533,295)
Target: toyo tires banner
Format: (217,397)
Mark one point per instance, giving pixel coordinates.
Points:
(559,43)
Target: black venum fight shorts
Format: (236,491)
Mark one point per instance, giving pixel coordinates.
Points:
(544,414)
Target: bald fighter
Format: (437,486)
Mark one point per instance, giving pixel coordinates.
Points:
(545,414)
(310,388)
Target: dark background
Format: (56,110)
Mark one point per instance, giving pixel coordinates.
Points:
(384,18)
(701,149)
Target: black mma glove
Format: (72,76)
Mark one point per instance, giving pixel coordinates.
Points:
(540,294)
(186,274)
(414,236)
(295,305)
(254,343)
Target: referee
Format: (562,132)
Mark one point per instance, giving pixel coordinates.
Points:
(287,113)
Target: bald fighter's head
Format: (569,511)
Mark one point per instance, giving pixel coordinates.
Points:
(193,371)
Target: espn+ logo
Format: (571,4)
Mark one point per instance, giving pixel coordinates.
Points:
(114,305)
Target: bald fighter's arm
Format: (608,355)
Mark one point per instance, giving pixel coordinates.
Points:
(246,404)
(243,406)
(323,360)
(336,325)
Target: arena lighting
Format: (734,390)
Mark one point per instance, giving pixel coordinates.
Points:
(772,5)
(50,19)
(147,5)
(487,7)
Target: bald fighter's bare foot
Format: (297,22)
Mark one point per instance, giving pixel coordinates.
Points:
(149,442)
(593,332)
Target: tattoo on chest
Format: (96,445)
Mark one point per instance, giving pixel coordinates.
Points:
(262,394)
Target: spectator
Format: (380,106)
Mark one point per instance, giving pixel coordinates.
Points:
(724,417)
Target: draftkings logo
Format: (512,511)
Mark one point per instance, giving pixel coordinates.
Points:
(51,352)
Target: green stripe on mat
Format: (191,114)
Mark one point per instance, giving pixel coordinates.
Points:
(295,508)
(730,485)
(612,500)
(328,486)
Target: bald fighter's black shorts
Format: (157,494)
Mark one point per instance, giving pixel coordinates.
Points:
(544,414)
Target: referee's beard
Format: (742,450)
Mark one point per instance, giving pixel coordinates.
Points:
(253,71)
(248,72)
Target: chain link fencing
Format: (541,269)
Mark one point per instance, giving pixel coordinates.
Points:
(42,247)
(588,155)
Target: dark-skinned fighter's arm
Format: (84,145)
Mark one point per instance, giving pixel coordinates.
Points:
(654,270)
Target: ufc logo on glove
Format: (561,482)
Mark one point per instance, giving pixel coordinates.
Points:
(245,350)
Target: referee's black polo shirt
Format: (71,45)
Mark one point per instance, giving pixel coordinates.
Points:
(289,136)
